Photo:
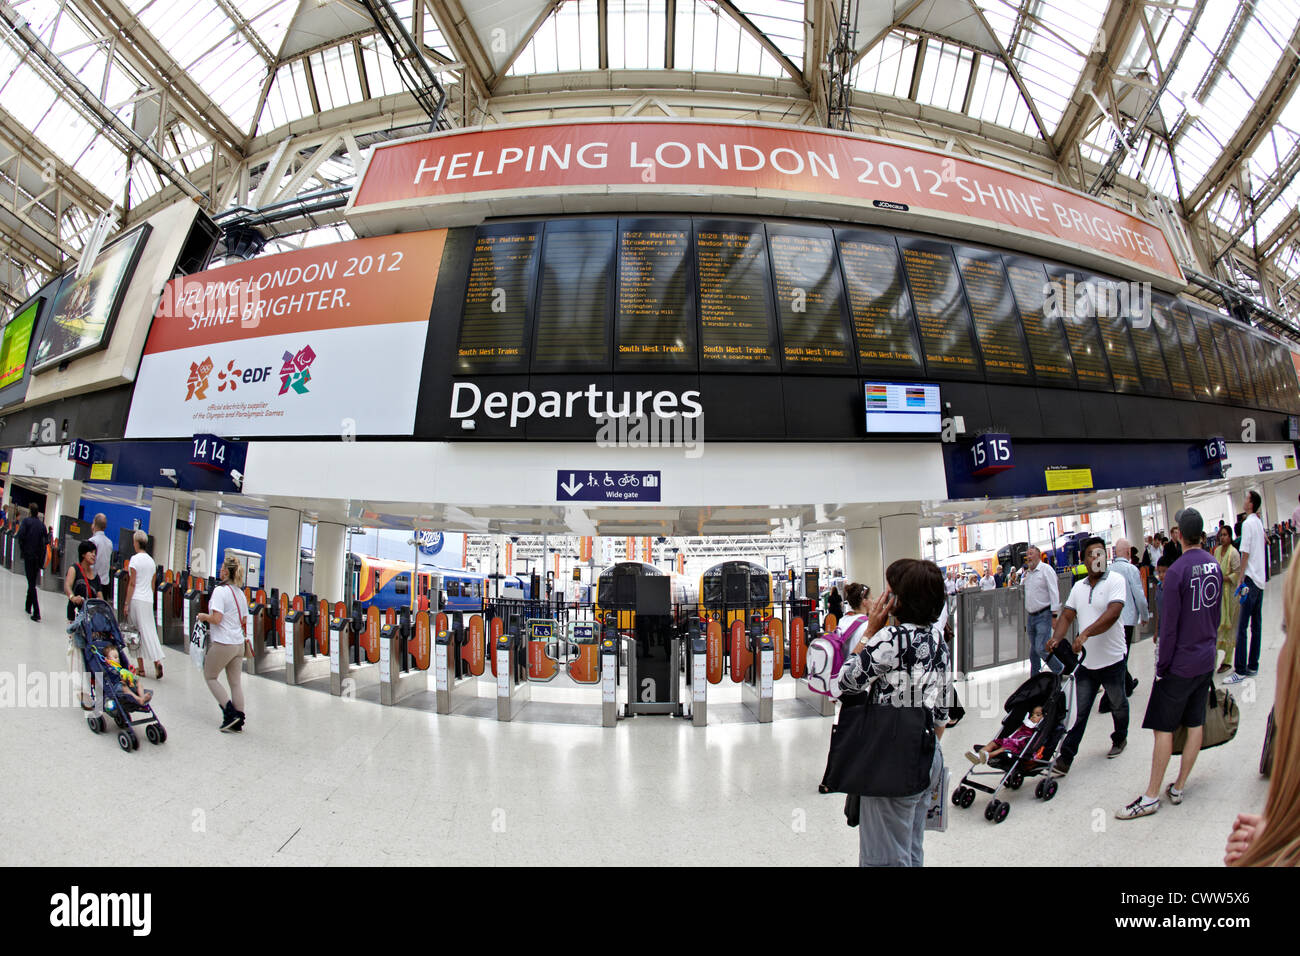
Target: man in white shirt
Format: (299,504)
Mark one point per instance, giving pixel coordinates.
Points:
(103,553)
(1042,601)
(1245,661)
(1097,601)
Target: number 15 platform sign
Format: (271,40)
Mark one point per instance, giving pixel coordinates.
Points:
(583,485)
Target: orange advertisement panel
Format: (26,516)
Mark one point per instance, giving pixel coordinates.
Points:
(604,158)
(495,630)
(540,667)
(741,657)
(418,646)
(474,649)
(713,652)
(776,632)
(323,627)
(798,649)
(585,668)
(270,347)
(370,638)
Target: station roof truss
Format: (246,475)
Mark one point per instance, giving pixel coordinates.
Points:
(1181,110)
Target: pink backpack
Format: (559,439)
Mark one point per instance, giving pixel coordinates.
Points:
(826,656)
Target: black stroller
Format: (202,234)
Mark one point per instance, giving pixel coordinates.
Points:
(93,632)
(1055,694)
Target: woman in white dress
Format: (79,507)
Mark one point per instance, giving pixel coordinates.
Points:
(140,610)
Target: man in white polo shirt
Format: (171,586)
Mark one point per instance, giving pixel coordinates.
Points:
(1097,602)
(1245,661)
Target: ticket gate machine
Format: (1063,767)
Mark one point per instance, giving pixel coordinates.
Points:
(353,648)
(300,637)
(7,546)
(167,611)
(459,659)
(121,598)
(510,664)
(195,603)
(401,634)
(264,633)
(765,647)
(824,705)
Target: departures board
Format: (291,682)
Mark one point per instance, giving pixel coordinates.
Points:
(692,294)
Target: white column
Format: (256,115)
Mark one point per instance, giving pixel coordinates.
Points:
(65,501)
(330,542)
(862,549)
(204,560)
(1174,502)
(1133,526)
(900,537)
(162,527)
(283,540)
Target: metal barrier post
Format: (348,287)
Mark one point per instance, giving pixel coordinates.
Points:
(512,692)
(608,681)
(698,666)
(757,690)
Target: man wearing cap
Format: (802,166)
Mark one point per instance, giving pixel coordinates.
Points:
(1189,625)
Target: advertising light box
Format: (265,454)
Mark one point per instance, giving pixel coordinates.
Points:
(14,345)
(326,341)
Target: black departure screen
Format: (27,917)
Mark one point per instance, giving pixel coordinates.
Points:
(809,297)
(1290,385)
(498,299)
(1233,382)
(994,311)
(573,308)
(947,339)
(878,303)
(1044,334)
(1202,322)
(1192,351)
(1075,308)
(655,323)
(1162,325)
(1253,389)
(737,330)
(1139,316)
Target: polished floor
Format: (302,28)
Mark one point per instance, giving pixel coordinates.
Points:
(318,780)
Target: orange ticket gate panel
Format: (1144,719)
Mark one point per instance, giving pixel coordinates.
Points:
(263,633)
(543,637)
(584,665)
(401,634)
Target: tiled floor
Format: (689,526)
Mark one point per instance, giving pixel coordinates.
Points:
(318,780)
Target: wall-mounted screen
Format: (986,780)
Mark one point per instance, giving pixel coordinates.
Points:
(1044,334)
(498,300)
(84,310)
(15,343)
(903,408)
(654,325)
(737,327)
(879,305)
(947,338)
(1192,353)
(993,310)
(573,302)
(1164,328)
(809,299)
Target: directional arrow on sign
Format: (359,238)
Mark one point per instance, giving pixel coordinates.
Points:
(572,487)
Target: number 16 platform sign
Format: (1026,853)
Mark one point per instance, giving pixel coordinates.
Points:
(582,485)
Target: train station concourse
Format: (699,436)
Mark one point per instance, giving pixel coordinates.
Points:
(650,433)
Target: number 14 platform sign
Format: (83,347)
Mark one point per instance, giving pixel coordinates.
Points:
(582,485)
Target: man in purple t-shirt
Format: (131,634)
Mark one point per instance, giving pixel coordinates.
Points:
(1189,624)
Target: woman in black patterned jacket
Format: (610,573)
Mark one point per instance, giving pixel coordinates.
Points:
(904,663)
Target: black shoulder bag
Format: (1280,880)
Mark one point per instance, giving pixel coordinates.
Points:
(879,749)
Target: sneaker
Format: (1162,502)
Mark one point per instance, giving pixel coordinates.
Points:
(1116,749)
(1234,678)
(1253,673)
(1061,766)
(239,724)
(229,717)
(977,757)
(1175,796)
(1140,807)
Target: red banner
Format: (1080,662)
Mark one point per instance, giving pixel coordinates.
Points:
(597,158)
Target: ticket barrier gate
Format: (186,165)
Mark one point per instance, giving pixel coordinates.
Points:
(459,659)
(353,647)
(402,631)
(823,705)
(52,576)
(767,658)
(7,546)
(697,670)
(167,611)
(195,603)
(654,683)
(264,632)
(121,598)
(303,661)
(511,669)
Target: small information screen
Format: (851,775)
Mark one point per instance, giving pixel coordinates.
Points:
(879,305)
(1044,334)
(737,326)
(494,325)
(947,338)
(573,305)
(809,299)
(902,407)
(994,311)
(655,325)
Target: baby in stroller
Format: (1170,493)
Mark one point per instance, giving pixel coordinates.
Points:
(1014,743)
(95,633)
(122,682)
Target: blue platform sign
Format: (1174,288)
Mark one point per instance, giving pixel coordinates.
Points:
(584,485)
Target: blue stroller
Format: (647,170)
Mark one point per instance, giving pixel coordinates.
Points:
(93,632)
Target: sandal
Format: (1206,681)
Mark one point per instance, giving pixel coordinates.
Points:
(157,670)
